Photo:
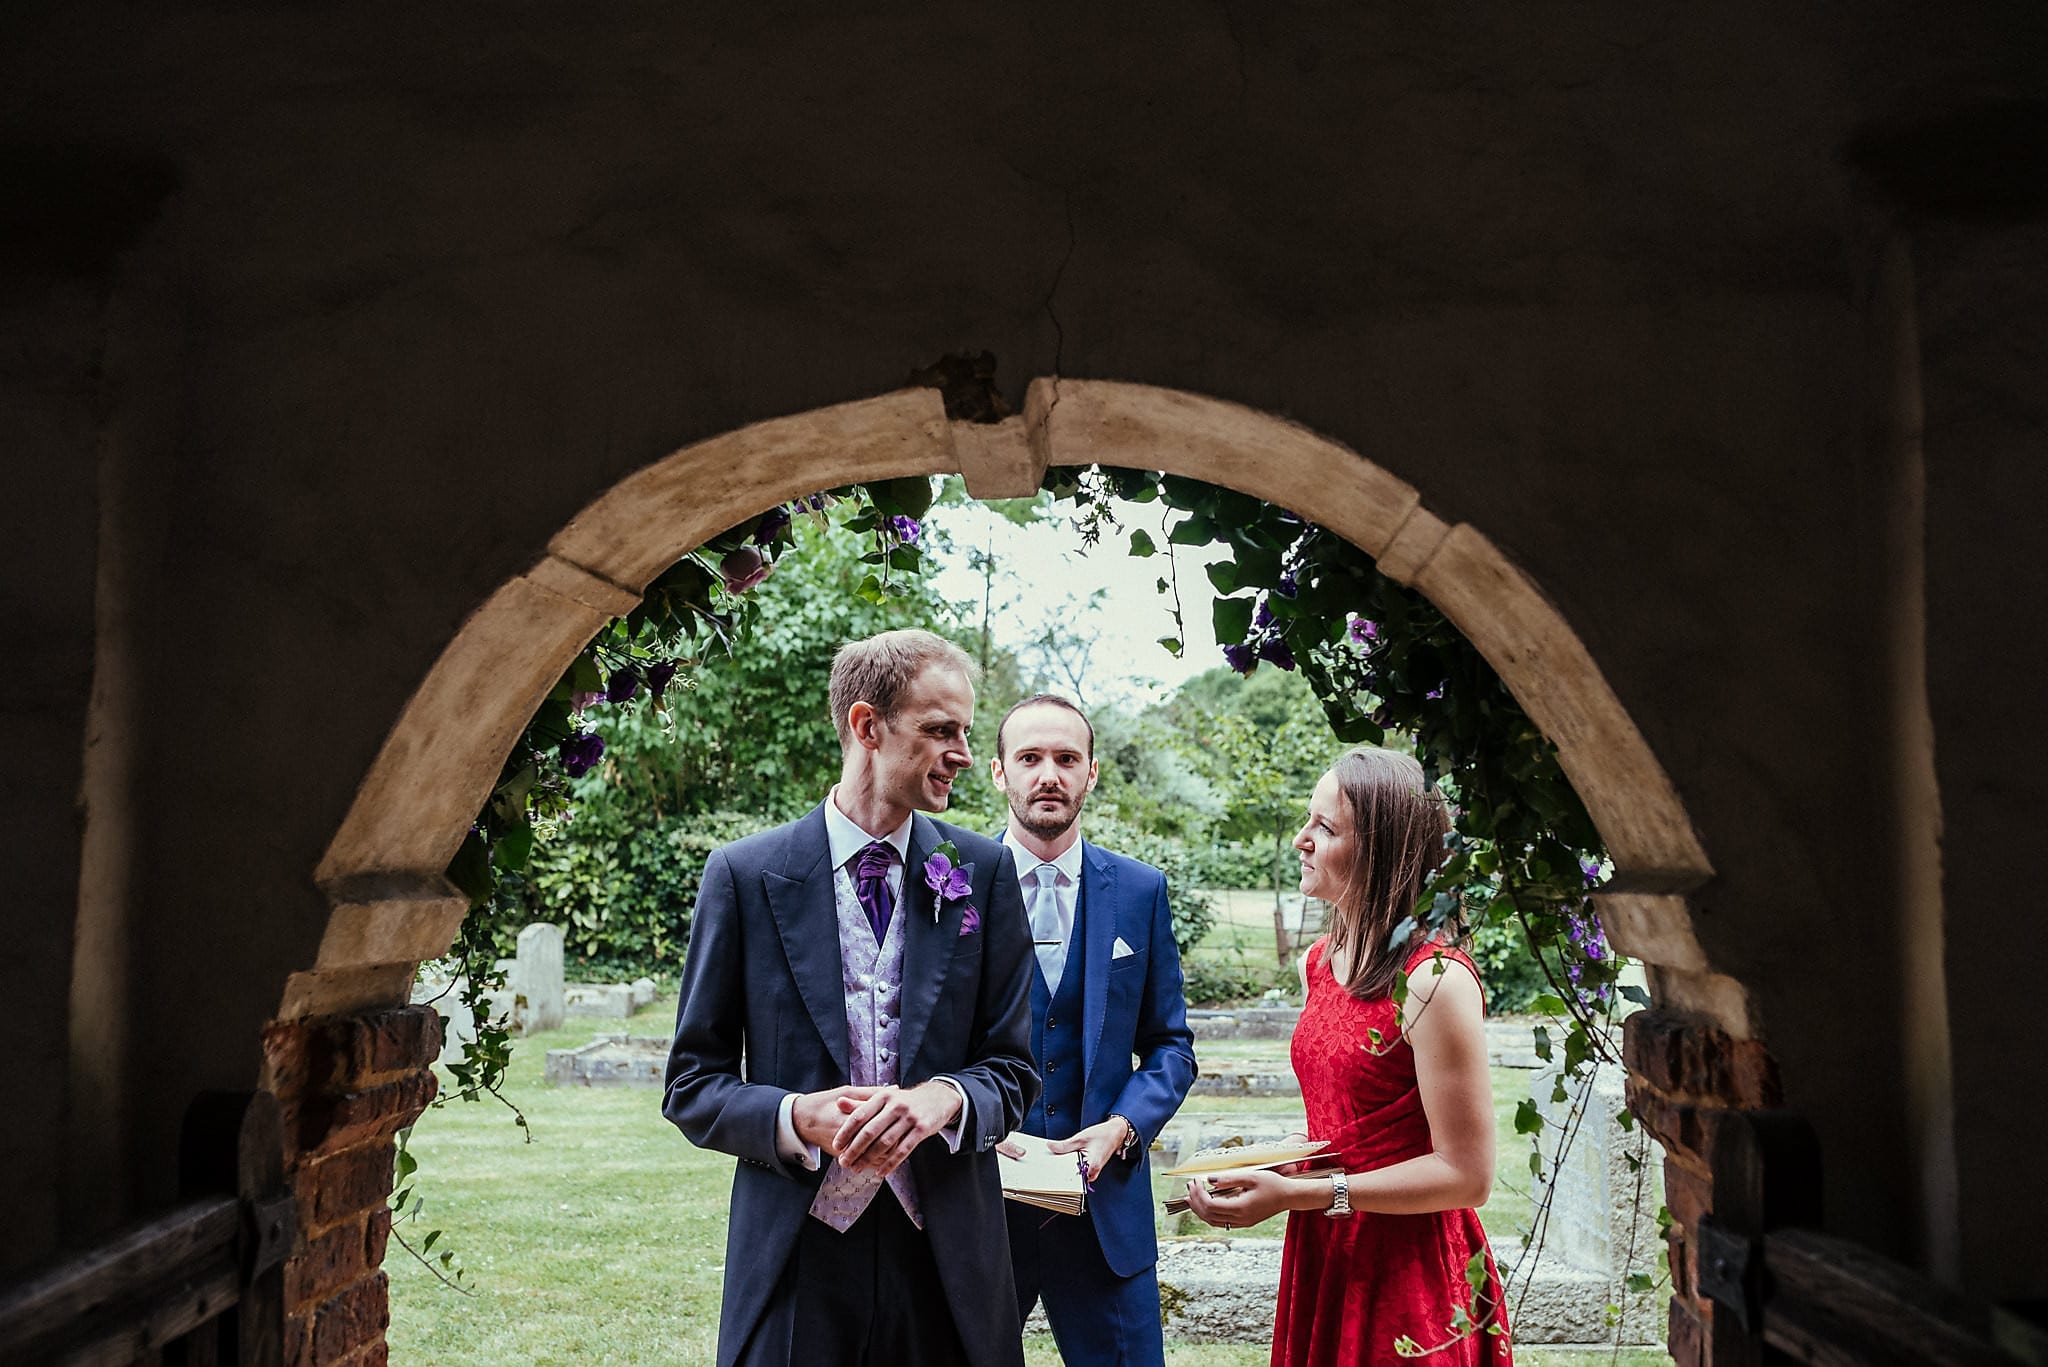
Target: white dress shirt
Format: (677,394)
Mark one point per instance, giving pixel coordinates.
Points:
(1066,887)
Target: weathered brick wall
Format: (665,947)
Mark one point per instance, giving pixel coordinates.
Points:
(346,1086)
(1684,1075)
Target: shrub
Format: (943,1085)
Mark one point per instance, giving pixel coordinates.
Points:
(623,888)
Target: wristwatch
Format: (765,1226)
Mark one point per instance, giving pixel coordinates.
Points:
(1340,1194)
(1130,1144)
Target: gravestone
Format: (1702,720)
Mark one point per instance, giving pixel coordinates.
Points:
(534,978)
(608,1001)
(1602,1225)
(458,1023)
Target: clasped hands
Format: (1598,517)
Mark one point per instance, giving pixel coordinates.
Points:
(873,1129)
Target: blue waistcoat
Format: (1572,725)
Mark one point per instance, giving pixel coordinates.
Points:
(1056,1045)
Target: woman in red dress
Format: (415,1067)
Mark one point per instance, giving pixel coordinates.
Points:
(1386,1248)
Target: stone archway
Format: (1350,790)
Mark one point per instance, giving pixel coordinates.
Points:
(349,1058)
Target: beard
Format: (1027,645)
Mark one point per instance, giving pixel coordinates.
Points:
(1049,825)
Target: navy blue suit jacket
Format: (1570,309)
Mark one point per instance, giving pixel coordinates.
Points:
(763,1013)
(1130,1006)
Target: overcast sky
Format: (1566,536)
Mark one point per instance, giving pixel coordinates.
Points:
(1045,573)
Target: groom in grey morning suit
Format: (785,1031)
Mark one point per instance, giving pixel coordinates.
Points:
(861,1040)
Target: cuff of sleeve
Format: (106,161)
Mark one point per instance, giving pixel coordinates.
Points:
(1129,1148)
(787,1143)
(954,1132)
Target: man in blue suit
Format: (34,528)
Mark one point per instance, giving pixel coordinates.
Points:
(1105,986)
(855,1027)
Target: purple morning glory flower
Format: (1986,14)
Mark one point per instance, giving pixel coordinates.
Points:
(772,524)
(1263,618)
(1435,693)
(743,569)
(658,678)
(1275,651)
(624,684)
(906,529)
(949,883)
(1363,631)
(580,753)
(1241,658)
(1288,586)
(1591,869)
(587,698)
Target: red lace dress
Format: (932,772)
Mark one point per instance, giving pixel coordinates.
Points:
(1350,1287)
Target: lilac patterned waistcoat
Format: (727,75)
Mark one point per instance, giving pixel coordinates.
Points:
(872,976)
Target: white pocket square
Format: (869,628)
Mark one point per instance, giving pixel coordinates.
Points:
(1120,950)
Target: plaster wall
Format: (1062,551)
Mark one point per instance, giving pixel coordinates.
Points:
(1593,279)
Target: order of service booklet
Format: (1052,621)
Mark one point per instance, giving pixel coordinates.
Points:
(1042,1178)
(1272,1154)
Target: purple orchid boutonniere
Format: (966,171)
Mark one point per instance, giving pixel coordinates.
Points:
(952,882)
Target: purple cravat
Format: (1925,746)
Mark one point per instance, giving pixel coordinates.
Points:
(871,885)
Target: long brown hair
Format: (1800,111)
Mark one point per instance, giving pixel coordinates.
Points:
(1398,824)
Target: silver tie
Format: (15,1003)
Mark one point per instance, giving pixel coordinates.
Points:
(1046,929)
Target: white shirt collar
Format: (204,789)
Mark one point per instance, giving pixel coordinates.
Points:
(1069,862)
(846,839)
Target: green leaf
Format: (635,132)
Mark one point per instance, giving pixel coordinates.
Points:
(1549,1004)
(1641,1281)
(1635,994)
(1541,1035)
(514,847)
(1197,530)
(1141,543)
(1232,619)
(1173,646)
(1223,575)
(950,850)
(583,675)
(1626,1119)
(1528,1120)
(870,590)
(470,870)
(1475,1272)
(911,494)
(906,558)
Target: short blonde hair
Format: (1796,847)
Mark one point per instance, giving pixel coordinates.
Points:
(878,670)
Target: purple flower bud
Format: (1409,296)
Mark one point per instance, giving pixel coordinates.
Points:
(906,529)
(743,569)
(624,684)
(1275,651)
(580,753)
(579,701)
(658,678)
(1435,693)
(1263,618)
(1240,658)
(772,524)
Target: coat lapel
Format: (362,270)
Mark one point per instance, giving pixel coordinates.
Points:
(927,948)
(807,917)
(1097,910)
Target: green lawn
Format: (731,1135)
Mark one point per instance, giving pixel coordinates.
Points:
(604,1239)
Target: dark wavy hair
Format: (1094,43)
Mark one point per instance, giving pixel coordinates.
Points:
(1398,822)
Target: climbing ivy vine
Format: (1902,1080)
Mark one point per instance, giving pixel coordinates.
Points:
(1383,660)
